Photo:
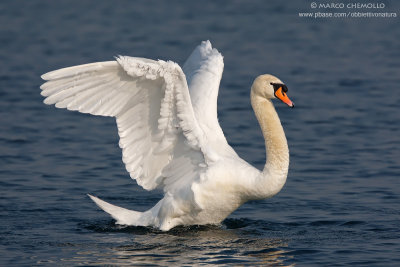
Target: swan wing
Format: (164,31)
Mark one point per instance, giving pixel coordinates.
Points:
(162,143)
(203,70)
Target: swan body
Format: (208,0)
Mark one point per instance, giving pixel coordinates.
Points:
(170,135)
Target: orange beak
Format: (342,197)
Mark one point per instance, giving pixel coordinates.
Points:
(283,97)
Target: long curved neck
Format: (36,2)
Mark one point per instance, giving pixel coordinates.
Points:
(273,177)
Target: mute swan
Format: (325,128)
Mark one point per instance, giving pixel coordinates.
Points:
(170,135)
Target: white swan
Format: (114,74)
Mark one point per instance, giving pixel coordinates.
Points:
(170,135)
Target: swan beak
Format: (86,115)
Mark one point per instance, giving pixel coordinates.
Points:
(283,97)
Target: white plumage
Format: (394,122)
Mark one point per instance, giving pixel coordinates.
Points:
(170,135)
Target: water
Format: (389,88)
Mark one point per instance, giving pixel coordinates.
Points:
(341,203)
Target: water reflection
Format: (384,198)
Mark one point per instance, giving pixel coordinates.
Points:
(184,246)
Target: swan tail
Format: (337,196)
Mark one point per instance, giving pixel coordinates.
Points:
(121,215)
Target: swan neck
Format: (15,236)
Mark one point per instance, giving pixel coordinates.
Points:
(273,177)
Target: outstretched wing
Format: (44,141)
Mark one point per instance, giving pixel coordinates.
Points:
(203,70)
(159,134)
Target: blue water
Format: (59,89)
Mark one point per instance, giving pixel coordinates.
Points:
(341,202)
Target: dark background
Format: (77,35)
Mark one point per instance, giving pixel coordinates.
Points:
(340,205)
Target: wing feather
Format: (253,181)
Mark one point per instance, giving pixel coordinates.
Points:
(203,70)
(152,106)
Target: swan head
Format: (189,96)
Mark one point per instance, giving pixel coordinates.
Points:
(270,87)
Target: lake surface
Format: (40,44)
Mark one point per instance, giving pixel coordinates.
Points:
(341,203)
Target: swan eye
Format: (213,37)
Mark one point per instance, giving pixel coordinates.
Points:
(279,85)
